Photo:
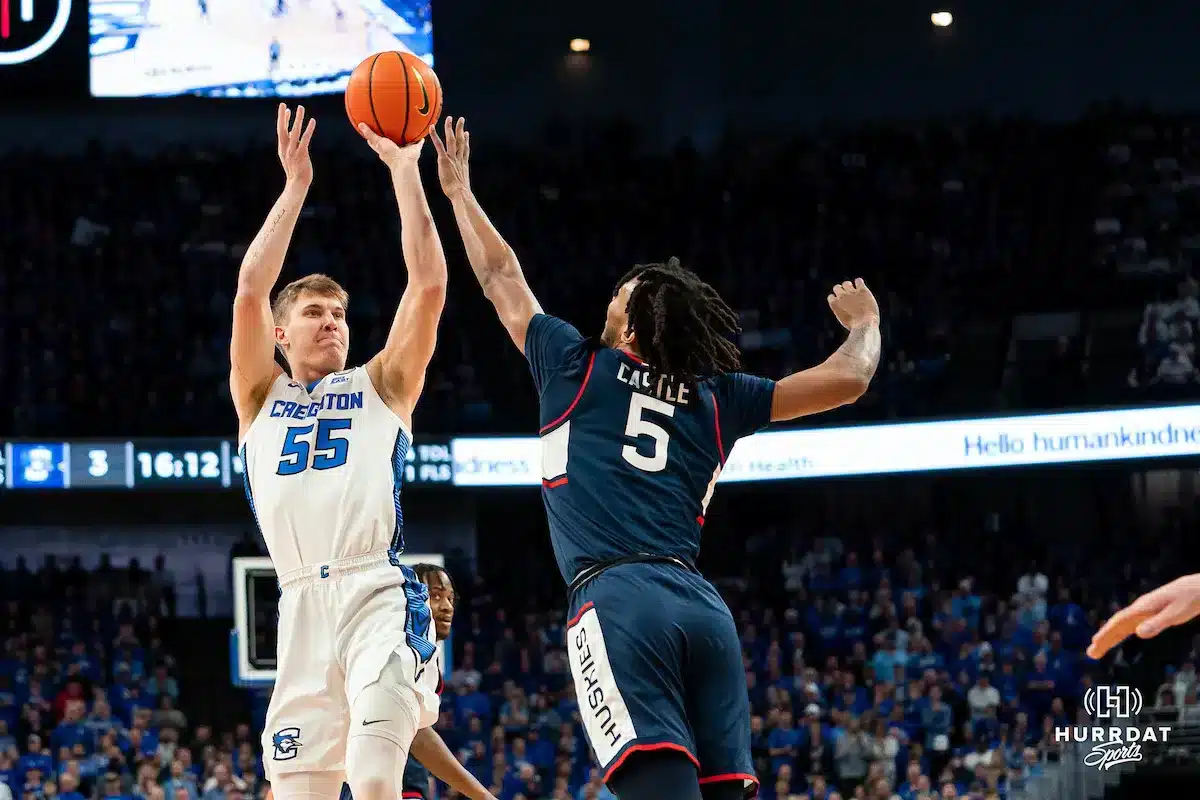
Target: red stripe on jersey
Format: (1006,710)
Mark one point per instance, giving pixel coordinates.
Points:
(645,748)
(587,376)
(634,356)
(717,422)
(734,776)
(583,609)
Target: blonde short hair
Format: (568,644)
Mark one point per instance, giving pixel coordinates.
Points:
(317,284)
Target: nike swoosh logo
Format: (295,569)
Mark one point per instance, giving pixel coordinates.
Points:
(367,722)
(424,109)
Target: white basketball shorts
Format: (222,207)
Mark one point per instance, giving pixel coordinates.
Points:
(339,624)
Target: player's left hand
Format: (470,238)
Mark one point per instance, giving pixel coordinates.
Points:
(388,151)
(854,305)
(1149,615)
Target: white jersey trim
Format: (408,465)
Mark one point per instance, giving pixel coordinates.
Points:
(283,376)
(399,420)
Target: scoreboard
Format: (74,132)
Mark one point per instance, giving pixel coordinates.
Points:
(1144,433)
(211,463)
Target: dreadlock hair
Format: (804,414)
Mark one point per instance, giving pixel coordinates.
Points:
(423,571)
(684,329)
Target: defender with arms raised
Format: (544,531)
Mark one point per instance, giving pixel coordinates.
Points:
(323,451)
(635,428)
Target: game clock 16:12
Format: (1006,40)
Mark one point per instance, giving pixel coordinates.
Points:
(194,464)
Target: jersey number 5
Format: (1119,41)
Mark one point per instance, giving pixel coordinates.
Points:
(636,426)
(328,451)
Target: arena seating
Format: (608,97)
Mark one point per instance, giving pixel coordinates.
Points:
(926,668)
(957,226)
(900,668)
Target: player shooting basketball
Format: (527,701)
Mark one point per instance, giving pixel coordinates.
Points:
(323,451)
(635,429)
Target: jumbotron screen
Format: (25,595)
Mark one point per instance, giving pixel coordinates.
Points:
(245,48)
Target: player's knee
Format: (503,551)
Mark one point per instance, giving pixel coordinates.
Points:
(654,775)
(374,767)
(374,787)
(306,786)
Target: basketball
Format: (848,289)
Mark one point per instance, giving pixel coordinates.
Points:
(396,94)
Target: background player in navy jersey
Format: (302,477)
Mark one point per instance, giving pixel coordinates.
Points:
(635,428)
(428,749)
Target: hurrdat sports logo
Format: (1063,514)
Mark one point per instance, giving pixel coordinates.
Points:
(1117,739)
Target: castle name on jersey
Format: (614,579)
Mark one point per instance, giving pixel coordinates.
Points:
(664,389)
(339,401)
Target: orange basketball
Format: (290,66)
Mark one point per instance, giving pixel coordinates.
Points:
(397,94)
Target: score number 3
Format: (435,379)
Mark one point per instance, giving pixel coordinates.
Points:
(636,426)
(329,451)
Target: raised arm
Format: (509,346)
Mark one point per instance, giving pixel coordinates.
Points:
(252,345)
(398,371)
(493,261)
(844,376)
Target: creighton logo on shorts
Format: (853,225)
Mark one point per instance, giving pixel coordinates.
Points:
(287,744)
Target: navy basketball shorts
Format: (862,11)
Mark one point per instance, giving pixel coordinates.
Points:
(657,665)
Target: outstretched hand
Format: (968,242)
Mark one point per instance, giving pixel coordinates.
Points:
(388,151)
(293,139)
(453,157)
(1152,613)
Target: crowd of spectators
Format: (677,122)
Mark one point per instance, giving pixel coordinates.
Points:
(876,668)
(120,267)
(1147,229)
(1168,337)
(89,694)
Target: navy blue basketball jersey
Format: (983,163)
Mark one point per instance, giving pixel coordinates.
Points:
(630,463)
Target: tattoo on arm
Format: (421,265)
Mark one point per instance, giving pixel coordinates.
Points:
(862,348)
(268,230)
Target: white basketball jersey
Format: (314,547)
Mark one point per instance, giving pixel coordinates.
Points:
(430,680)
(323,468)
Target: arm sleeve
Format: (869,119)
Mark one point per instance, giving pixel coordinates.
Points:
(743,403)
(549,343)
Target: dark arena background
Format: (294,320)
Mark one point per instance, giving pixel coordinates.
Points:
(914,577)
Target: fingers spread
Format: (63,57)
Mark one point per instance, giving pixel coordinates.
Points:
(308,133)
(451,138)
(437,141)
(297,124)
(281,123)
